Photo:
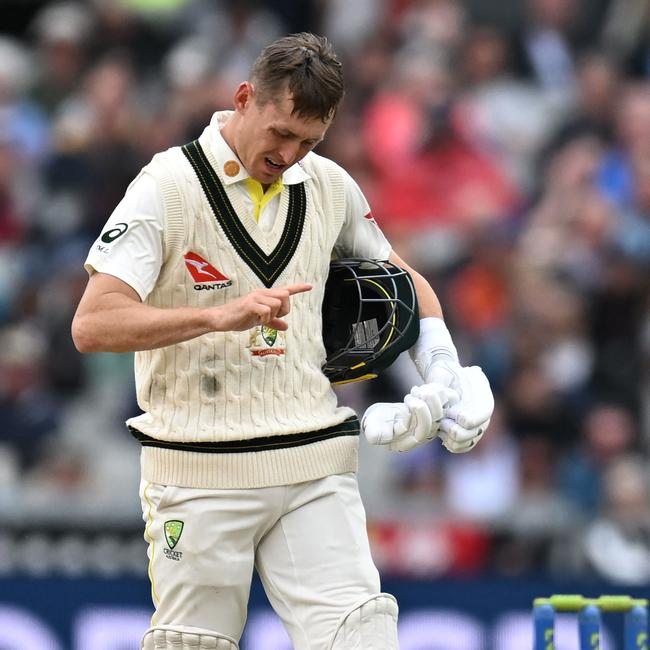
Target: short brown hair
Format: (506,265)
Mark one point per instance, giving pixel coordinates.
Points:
(307,66)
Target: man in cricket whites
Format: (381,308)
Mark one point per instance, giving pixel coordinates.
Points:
(212,269)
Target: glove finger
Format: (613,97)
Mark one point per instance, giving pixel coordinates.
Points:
(378,433)
(408,441)
(405,442)
(437,397)
(456,447)
(421,422)
(421,429)
(467,416)
(401,420)
(432,395)
(459,433)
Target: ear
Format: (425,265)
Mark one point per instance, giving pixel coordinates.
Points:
(243,96)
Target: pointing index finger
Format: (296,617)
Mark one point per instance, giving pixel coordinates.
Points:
(298,288)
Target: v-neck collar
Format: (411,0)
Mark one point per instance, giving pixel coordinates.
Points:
(267,267)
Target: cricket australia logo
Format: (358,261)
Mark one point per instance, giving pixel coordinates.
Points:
(205,276)
(173,531)
(269,335)
(265,340)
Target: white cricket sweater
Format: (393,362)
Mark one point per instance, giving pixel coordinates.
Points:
(242,386)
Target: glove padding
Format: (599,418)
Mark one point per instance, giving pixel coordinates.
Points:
(465,420)
(404,425)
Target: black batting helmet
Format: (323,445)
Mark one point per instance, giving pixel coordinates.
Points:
(370,316)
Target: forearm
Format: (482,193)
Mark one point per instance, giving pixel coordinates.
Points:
(111,317)
(127,326)
(434,341)
(428,302)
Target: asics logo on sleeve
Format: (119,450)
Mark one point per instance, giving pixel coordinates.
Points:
(204,274)
(113,233)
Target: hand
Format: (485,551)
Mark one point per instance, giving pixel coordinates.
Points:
(405,425)
(467,418)
(259,307)
(436,359)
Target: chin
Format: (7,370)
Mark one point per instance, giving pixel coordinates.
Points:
(267,177)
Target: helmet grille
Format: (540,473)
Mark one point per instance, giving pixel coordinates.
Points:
(370,316)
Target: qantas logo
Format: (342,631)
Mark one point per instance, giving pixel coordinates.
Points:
(204,274)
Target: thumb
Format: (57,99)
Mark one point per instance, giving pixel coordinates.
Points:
(420,420)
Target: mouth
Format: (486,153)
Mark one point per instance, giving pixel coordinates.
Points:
(275,167)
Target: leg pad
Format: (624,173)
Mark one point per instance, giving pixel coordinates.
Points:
(169,638)
(369,625)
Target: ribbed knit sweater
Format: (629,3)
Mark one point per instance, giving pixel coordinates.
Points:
(242,386)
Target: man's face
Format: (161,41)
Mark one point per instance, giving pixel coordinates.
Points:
(269,139)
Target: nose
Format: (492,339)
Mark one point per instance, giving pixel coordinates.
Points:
(288,151)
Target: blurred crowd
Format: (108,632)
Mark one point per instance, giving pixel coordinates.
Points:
(505,154)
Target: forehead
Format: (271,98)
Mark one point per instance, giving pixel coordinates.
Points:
(277,113)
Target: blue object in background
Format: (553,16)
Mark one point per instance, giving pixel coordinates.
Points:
(589,627)
(463,614)
(543,627)
(636,629)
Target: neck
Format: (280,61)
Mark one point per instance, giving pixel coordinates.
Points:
(228,133)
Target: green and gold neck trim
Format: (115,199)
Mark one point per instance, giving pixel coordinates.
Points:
(266,267)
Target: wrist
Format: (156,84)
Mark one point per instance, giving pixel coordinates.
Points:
(434,344)
(212,319)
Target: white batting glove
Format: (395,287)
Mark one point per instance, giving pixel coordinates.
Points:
(404,425)
(436,359)
(467,419)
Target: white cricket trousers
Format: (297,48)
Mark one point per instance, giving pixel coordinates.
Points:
(308,542)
